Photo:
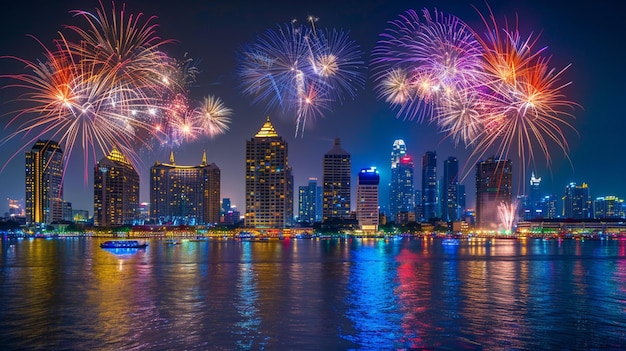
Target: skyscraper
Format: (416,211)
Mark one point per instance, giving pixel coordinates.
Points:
(310,202)
(430,202)
(367,199)
(336,171)
(577,202)
(44,188)
(115,191)
(450,198)
(269,181)
(535,197)
(493,189)
(401,187)
(185,194)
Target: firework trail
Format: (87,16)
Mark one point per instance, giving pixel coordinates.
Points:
(301,70)
(507,213)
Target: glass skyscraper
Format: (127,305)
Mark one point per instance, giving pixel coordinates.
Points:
(310,202)
(269,180)
(336,171)
(577,202)
(450,187)
(115,190)
(401,187)
(44,178)
(430,200)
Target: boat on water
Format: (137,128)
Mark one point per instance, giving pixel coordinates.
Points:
(123,244)
(451,241)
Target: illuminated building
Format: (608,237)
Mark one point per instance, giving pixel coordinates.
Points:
(310,202)
(430,203)
(44,187)
(493,188)
(401,187)
(269,181)
(450,187)
(115,191)
(367,199)
(186,195)
(336,172)
(577,202)
(15,208)
(608,207)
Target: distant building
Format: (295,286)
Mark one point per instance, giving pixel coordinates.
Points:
(337,168)
(310,202)
(493,189)
(367,199)
(577,202)
(44,187)
(401,186)
(188,195)
(450,186)
(115,191)
(269,180)
(80,216)
(430,201)
(608,207)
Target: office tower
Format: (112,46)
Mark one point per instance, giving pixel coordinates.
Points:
(430,203)
(310,202)
(44,188)
(450,187)
(461,199)
(336,171)
(534,198)
(185,194)
(493,189)
(225,205)
(367,199)
(549,207)
(577,202)
(608,207)
(401,187)
(115,191)
(269,181)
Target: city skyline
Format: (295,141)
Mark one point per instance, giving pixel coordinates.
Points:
(366,125)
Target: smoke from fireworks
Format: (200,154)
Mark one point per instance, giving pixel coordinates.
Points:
(301,70)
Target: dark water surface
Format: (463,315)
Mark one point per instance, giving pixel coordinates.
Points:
(359,294)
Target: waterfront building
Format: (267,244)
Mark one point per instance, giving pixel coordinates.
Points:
(535,197)
(44,183)
(549,207)
(608,207)
(493,189)
(310,202)
(367,199)
(336,172)
(401,186)
(461,199)
(430,200)
(185,195)
(450,187)
(269,180)
(115,191)
(577,202)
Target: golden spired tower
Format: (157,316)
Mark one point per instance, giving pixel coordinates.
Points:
(115,191)
(269,181)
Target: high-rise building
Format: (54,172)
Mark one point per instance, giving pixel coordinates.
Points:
(367,199)
(577,202)
(115,191)
(269,180)
(450,187)
(549,207)
(462,201)
(185,194)
(401,187)
(44,177)
(430,200)
(336,171)
(608,207)
(310,202)
(493,189)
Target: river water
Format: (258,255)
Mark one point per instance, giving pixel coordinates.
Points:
(350,294)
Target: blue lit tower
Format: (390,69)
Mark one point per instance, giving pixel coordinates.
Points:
(44,182)
(450,186)
(310,202)
(401,187)
(269,180)
(367,199)
(577,202)
(430,201)
(535,196)
(336,171)
(493,188)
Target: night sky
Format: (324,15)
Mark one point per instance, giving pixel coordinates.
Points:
(588,35)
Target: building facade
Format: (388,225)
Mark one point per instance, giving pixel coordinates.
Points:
(44,183)
(401,186)
(430,199)
(450,186)
(336,171)
(310,202)
(187,195)
(493,189)
(367,199)
(577,202)
(115,191)
(269,180)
